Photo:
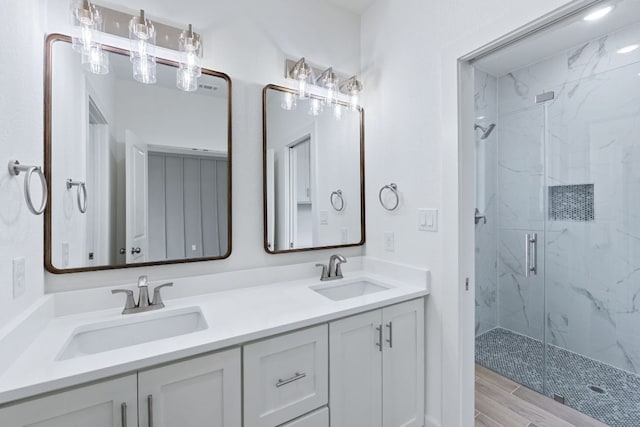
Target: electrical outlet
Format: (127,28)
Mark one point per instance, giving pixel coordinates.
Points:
(65,254)
(389,244)
(324,217)
(194,248)
(18,277)
(344,233)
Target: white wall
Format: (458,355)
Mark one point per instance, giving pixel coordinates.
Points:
(409,60)
(159,116)
(21,135)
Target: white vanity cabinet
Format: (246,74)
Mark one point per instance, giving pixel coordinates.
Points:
(204,391)
(377,368)
(110,403)
(286,377)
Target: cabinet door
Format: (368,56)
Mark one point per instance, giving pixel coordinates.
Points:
(205,391)
(106,404)
(319,418)
(403,365)
(355,379)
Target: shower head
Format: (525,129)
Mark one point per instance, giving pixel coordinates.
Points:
(486,131)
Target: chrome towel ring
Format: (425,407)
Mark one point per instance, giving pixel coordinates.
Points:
(394,190)
(337,201)
(81,195)
(14,170)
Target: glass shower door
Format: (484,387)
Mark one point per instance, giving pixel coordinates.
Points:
(592,245)
(514,345)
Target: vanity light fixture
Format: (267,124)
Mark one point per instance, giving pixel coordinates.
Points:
(598,14)
(88,24)
(301,72)
(329,81)
(628,49)
(353,87)
(142,35)
(190,47)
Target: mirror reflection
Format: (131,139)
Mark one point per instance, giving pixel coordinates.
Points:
(313,160)
(138,173)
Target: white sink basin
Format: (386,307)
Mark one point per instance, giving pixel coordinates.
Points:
(338,291)
(132,329)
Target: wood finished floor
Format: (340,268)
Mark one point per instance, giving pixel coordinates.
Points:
(501,402)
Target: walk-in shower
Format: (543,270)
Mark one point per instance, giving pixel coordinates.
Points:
(562,163)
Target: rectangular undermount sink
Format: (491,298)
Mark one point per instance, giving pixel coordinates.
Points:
(340,291)
(128,331)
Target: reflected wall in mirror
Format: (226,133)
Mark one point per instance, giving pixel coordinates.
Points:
(313,173)
(150,165)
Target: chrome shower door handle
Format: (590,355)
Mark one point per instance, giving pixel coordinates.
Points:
(531,254)
(534,254)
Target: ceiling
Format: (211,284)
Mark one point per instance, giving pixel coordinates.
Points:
(562,36)
(356,6)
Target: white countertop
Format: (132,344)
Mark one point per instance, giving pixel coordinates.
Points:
(233,317)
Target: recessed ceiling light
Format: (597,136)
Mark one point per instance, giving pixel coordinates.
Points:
(628,49)
(597,14)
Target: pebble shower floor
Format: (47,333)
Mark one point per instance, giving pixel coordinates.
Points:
(603,392)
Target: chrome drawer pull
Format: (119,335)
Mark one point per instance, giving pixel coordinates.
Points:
(390,340)
(150,409)
(123,414)
(379,343)
(296,377)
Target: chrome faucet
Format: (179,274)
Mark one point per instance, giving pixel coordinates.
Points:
(334,271)
(143,303)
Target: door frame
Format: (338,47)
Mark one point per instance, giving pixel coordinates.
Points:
(458,318)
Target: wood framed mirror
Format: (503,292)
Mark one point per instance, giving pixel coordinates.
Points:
(137,174)
(313,173)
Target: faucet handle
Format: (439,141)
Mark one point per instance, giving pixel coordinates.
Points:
(157,298)
(324,274)
(130,303)
(142,281)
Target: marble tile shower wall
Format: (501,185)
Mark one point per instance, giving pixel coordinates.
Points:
(592,135)
(486,100)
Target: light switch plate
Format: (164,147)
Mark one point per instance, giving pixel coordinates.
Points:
(18,277)
(428,219)
(389,244)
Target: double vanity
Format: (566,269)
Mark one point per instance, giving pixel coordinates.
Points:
(301,352)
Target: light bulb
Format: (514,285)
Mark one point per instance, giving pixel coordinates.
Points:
(302,88)
(598,14)
(288,101)
(331,96)
(353,101)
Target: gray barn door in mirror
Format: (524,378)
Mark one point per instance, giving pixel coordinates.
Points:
(313,173)
(138,174)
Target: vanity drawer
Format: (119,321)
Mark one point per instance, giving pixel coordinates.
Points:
(285,377)
(319,418)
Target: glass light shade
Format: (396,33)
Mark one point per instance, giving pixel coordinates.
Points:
(301,72)
(186,79)
(302,88)
(330,83)
(142,36)
(144,70)
(88,25)
(353,101)
(96,61)
(288,101)
(315,107)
